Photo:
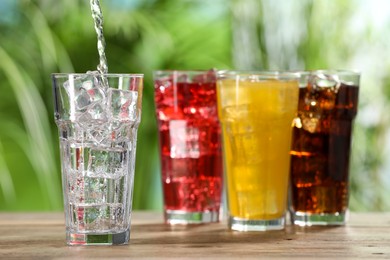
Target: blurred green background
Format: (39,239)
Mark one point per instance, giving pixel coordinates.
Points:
(40,37)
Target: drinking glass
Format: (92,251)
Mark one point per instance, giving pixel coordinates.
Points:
(190,147)
(256,110)
(321,147)
(97,118)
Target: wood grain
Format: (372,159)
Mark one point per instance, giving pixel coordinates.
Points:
(42,236)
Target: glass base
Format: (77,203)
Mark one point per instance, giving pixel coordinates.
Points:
(98,239)
(174,217)
(240,224)
(323,219)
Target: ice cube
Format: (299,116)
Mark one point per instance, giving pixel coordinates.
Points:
(320,100)
(98,112)
(110,163)
(97,79)
(123,133)
(322,91)
(123,104)
(99,132)
(177,77)
(88,97)
(192,142)
(209,76)
(327,98)
(246,143)
(102,217)
(311,122)
(87,85)
(73,86)
(84,119)
(162,84)
(80,157)
(184,140)
(87,217)
(95,94)
(82,100)
(83,92)
(90,106)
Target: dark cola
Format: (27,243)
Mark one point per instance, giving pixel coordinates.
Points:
(321,149)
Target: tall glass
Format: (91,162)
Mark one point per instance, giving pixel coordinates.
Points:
(190,147)
(97,118)
(256,111)
(320,154)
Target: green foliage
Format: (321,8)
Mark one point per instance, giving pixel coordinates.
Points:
(59,37)
(39,37)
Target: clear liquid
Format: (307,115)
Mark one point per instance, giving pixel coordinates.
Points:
(97,16)
(97,178)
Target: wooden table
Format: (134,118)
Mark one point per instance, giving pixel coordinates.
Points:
(42,236)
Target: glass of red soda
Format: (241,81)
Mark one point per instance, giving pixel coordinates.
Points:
(190,145)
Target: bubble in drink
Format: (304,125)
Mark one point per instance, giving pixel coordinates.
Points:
(123,104)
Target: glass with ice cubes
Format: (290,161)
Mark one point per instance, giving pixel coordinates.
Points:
(97,118)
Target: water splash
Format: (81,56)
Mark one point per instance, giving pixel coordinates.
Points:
(97,16)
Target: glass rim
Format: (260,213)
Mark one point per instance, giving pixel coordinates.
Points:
(184,71)
(339,72)
(128,75)
(271,74)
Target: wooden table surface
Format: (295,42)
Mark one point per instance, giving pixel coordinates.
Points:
(42,236)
